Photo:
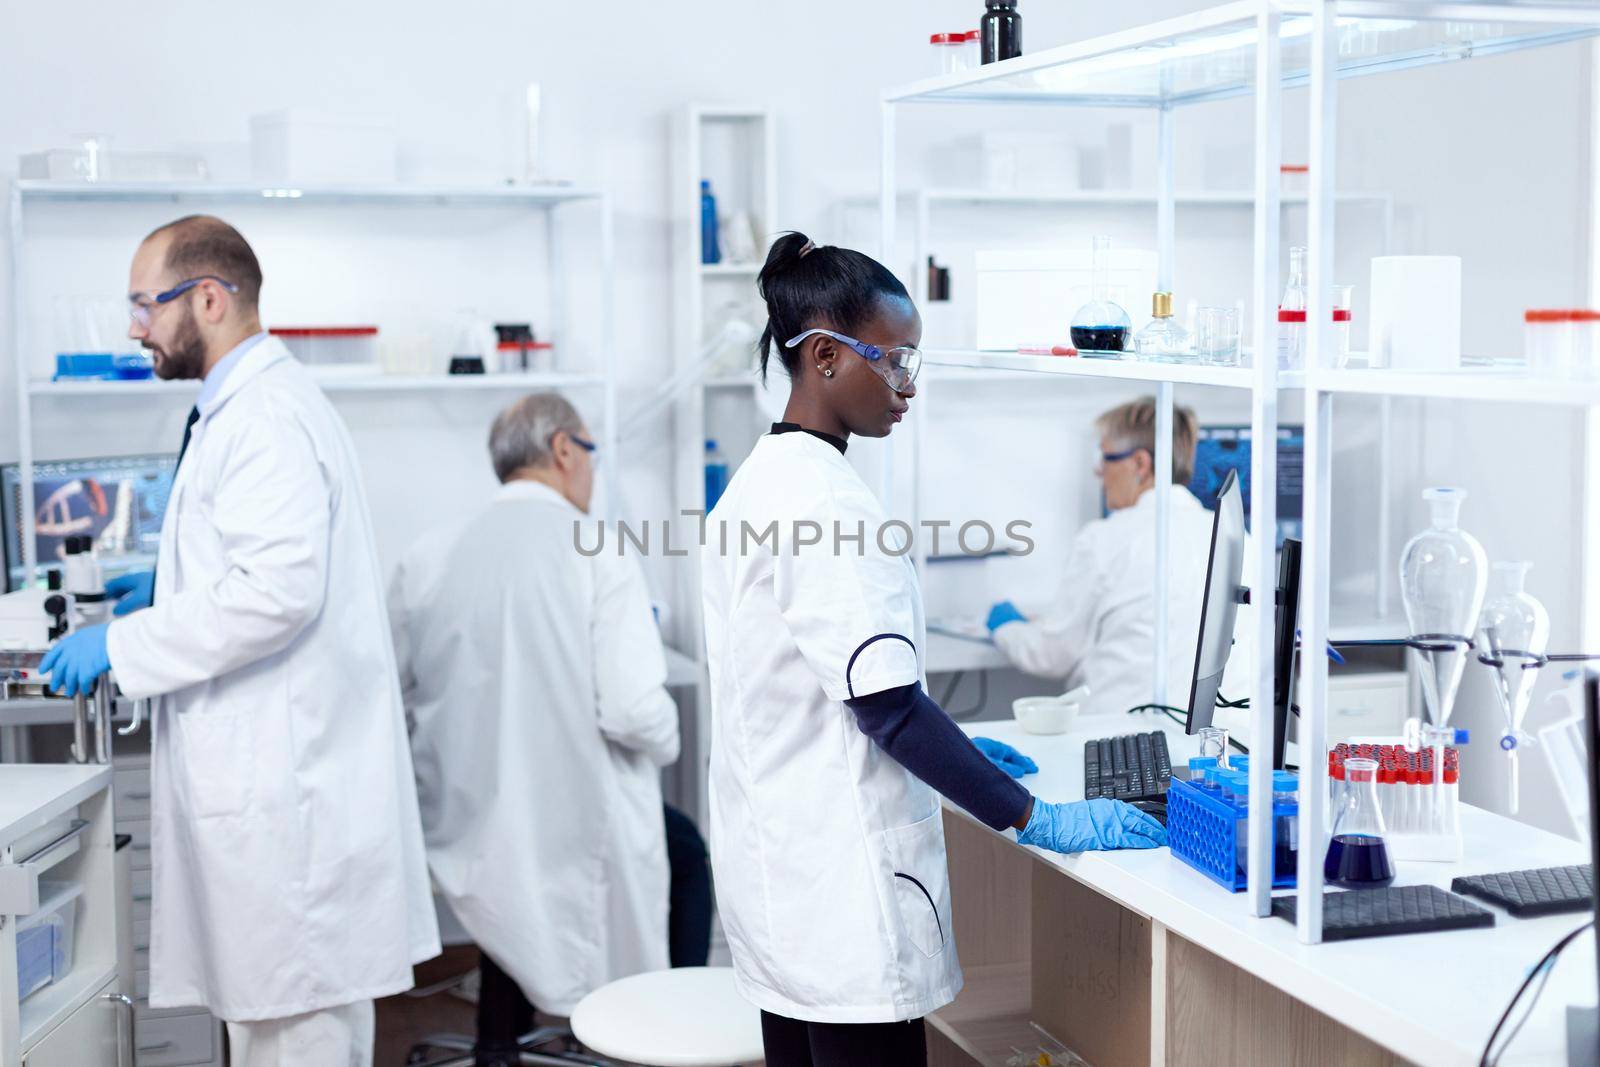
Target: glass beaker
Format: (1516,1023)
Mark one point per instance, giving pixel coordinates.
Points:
(1101,326)
(1214,744)
(1514,631)
(1358,857)
(1217,336)
(1443,574)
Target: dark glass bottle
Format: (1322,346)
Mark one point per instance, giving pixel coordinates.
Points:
(1001,31)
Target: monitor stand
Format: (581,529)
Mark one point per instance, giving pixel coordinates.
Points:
(1583,1037)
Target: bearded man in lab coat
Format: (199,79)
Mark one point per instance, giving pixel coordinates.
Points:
(534,677)
(1099,630)
(289,886)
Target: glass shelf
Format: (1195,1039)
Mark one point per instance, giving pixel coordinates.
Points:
(393,193)
(1211,54)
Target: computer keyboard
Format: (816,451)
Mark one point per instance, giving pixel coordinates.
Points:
(1131,767)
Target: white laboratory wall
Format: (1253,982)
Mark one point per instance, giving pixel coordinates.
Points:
(188,75)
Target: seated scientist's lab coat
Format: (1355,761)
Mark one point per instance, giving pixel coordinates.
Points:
(288,873)
(534,676)
(1099,630)
(828,855)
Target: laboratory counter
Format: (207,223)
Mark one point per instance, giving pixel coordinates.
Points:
(1135,957)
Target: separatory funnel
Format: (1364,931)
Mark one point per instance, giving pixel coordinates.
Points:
(1443,575)
(1514,632)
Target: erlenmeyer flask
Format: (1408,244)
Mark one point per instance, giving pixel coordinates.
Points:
(1515,630)
(1358,855)
(1443,574)
(1101,327)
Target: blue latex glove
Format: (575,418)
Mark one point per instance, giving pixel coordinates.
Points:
(132,591)
(1090,825)
(74,662)
(1002,613)
(1005,757)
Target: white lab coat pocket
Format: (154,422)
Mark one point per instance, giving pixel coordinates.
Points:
(217,759)
(921,886)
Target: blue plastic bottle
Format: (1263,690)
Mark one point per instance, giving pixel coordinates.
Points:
(716,474)
(710,250)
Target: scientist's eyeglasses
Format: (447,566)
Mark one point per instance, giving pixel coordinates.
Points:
(898,367)
(588,446)
(1105,459)
(141,307)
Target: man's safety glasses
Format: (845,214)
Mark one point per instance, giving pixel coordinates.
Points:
(142,307)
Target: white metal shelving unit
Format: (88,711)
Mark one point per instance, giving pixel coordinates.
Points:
(1229,52)
(736,148)
(542,198)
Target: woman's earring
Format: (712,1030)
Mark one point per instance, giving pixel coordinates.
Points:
(827,372)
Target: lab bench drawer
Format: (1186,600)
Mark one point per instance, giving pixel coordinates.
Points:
(175,1040)
(132,791)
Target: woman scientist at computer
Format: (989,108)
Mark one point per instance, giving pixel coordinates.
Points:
(827,756)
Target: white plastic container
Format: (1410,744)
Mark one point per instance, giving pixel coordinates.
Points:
(956,51)
(1548,336)
(332,349)
(45,938)
(305,146)
(1416,313)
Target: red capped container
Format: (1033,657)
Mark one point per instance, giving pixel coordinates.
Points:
(331,349)
(1547,342)
(957,51)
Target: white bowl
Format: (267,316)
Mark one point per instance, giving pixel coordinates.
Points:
(1044,715)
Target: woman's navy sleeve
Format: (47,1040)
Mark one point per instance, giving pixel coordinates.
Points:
(917,734)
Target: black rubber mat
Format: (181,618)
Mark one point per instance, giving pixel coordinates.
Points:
(1408,909)
(1541,891)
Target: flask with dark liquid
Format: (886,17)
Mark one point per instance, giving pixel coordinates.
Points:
(1357,857)
(1100,327)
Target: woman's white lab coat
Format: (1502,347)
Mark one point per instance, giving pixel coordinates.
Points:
(288,873)
(1099,630)
(828,855)
(533,675)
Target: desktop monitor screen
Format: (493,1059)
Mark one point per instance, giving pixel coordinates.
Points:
(1220,605)
(1221,450)
(118,501)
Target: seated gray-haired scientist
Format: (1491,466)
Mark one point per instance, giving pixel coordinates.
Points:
(534,676)
(1099,629)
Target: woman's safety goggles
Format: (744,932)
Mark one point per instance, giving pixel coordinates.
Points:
(898,367)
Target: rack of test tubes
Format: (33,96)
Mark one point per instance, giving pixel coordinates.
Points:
(1421,809)
(1208,821)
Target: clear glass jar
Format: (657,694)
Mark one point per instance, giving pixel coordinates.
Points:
(1101,326)
(1162,340)
(953,49)
(1547,342)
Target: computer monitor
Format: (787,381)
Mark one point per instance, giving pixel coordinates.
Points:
(119,501)
(1219,607)
(1219,610)
(1220,450)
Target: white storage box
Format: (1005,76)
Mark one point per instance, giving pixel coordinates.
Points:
(331,349)
(303,146)
(1029,297)
(1416,312)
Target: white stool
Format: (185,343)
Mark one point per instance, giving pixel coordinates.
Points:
(685,1017)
